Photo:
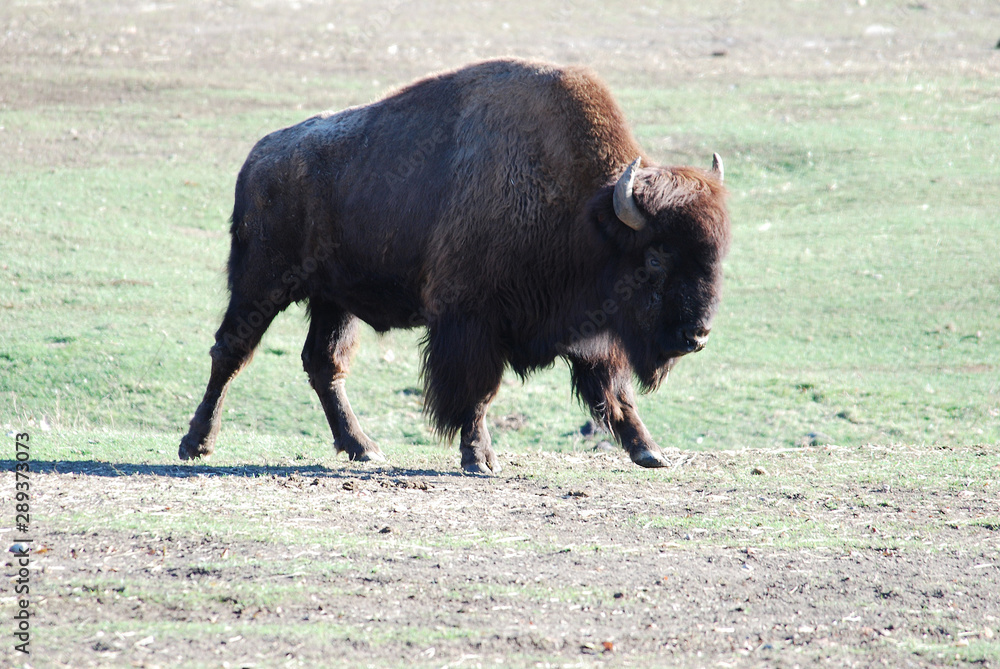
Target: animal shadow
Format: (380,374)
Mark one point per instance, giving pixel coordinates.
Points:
(181,471)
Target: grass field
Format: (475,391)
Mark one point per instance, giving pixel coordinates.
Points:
(860,327)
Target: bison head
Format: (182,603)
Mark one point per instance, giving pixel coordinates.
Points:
(669,269)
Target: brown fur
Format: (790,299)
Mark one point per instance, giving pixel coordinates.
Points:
(475,202)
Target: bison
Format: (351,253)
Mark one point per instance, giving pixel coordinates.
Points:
(506,207)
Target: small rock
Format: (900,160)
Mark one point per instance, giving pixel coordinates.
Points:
(758,471)
(814,439)
(876,30)
(514,422)
(409,484)
(605,447)
(350,484)
(385,530)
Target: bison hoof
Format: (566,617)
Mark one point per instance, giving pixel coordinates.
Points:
(368,456)
(649,459)
(192,449)
(482,468)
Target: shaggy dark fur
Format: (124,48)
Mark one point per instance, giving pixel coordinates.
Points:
(477,203)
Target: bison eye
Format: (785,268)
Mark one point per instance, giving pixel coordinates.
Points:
(657,261)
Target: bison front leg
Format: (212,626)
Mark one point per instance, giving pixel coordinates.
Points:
(235,341)
(607,392)
(326,357)
(463,368)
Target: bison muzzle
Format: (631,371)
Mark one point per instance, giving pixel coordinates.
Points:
(506,207)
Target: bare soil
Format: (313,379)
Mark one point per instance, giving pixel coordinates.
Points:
(381,566)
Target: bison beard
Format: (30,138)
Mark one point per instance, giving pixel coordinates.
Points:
(506,207)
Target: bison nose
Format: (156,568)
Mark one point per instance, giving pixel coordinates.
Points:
(695,338)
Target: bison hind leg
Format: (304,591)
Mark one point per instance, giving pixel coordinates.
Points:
(326,357)
(463,367)
(235,341)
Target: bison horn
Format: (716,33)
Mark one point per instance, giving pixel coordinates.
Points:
(717,166)
(625,207)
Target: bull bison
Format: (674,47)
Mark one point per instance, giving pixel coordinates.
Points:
(506,207)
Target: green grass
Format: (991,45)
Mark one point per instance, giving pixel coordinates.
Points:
(857,304)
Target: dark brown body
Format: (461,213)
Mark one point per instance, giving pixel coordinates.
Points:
(477,203)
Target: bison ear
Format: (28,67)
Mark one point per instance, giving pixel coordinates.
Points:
(717,167)
(626,209)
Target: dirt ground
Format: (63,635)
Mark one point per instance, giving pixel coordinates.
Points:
(566,560)
(97,54)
